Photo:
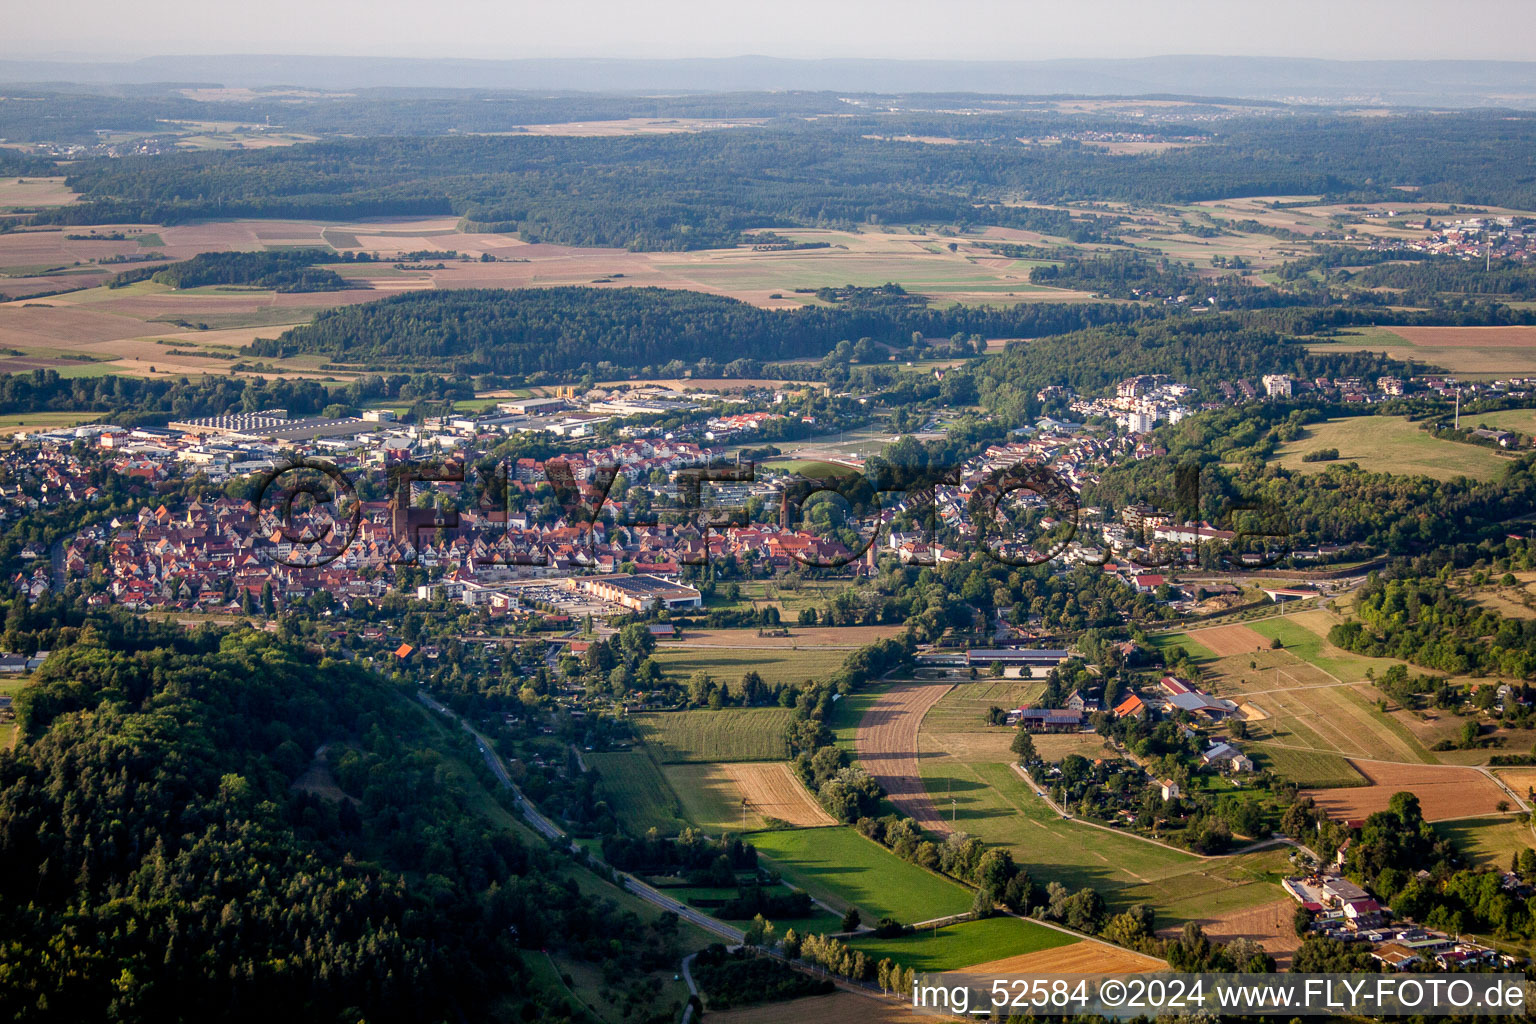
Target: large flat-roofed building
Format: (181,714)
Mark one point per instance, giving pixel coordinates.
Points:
(270,423)
(641,592)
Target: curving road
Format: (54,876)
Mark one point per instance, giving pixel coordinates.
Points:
(549,830)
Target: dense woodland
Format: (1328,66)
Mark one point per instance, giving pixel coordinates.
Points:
(282,270)
(537,330)
(159,862)
(699,190)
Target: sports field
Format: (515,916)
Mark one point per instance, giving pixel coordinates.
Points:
(956,945)
(730,734)
(1390,444)
(846,869)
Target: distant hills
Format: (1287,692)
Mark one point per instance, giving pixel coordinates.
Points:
(1448,83)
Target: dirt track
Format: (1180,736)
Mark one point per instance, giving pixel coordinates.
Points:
(887,747)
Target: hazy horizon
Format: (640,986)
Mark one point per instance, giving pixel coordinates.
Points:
(980,30)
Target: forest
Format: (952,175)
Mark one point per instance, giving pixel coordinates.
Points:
(700,190)
(536,330)
(160,861)
(282,270)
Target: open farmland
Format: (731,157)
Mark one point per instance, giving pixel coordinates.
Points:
(777,665)
(1470,351)
(846,869)
(954,946)
(887,747)
(1225,640)
(1313,769)
(1390,444)
(636,791)
(1444,791)
(712,795)
(730,734)
(1489,842)
(1086,957)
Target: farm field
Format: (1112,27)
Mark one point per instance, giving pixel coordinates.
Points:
(849,711)
(34,192)
(800,638)
(711,795)
(1311,769)
(777,665)
(845,869)
(1184,642)
(730,734)
(1489,842)
(956,945)
(1444,791)
(1305,634)
(1086,957)
(887,746)
(1302,706)
(636,791)
(1469,351)
(1224,640)
(33,262)
(995,804)
(1391,444)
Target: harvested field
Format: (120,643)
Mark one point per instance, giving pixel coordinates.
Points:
(1521,780)
(1444,791)
(1470,337)
(1086,957)
(774,792)
(712,794)
(837,1008)
(886,746)
(35,192)
(1227,640)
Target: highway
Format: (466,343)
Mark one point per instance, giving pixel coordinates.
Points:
(549,830)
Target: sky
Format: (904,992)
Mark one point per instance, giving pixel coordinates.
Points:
(933,29)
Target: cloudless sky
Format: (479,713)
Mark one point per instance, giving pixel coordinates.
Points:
(940,29)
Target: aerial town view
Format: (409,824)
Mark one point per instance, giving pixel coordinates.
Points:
(650,514)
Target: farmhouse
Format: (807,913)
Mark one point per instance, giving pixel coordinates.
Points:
(1227,757)
(641,593)
(1047,719)
(1183,695)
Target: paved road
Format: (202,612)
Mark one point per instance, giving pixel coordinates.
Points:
(549,830)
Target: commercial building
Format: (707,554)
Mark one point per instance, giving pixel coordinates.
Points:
(641,592)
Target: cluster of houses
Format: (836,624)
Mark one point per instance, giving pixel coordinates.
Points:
(1344,911)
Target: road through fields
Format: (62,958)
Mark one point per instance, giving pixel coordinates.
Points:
(886,745)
